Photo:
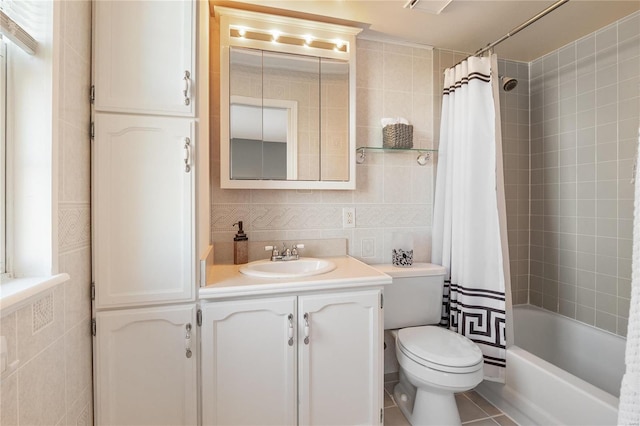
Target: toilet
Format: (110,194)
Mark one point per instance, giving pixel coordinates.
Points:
(434,362)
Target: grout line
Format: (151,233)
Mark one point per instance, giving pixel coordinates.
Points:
(463,394)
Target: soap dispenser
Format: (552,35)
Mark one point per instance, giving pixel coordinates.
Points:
(240,246)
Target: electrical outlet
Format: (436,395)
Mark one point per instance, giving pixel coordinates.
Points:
(368,247)
(348,217)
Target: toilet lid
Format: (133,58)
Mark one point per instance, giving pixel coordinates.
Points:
(439,346)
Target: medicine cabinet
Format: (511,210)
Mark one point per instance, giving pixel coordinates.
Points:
(287,102)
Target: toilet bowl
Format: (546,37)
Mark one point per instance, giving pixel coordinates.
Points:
(434,362)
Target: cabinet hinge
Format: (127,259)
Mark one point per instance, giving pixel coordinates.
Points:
(381,300)
(199,317)
(92,94)
(92,130)
(93,291)
(93,327)
(381,415)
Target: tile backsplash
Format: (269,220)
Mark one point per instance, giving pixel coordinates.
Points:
(393,192)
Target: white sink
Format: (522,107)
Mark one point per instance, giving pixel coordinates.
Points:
(303,267)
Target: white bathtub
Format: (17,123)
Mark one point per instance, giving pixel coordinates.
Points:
(560,372)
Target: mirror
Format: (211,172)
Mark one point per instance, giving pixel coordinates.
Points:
(288,117)
(287,107)
(273,103)
(334,120)
(263,139)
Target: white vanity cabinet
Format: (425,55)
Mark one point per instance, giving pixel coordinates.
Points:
(150,206)
(144,373)
(340,369)
(248,366)
(143,199)
(312,359)
(144,56)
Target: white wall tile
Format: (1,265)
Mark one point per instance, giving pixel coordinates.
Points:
(9,400)
(41,387)
(75,162)
(31,342)
(80,413)
(77,291)
(397,72)
(78,365)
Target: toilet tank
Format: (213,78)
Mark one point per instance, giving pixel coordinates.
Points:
(414,297)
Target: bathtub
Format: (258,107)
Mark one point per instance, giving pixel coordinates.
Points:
(560,372)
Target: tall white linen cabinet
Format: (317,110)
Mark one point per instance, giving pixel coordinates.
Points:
(150,204)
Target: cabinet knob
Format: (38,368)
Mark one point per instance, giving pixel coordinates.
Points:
(187,155)
(187,341)
(186,85)
(306,328)
(290,330)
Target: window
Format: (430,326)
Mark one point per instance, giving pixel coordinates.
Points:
(3,156)
(15,40)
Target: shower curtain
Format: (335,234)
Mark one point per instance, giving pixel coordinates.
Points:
(629,409)
(467,226)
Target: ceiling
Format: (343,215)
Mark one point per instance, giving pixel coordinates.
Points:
(464,25)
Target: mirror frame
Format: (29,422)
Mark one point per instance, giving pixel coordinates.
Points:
(293,28)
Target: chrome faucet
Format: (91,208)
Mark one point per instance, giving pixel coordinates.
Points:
(285,254)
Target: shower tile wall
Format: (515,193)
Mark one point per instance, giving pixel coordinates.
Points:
(514,113)
(584,130)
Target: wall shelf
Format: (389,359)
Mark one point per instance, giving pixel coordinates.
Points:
(424,154)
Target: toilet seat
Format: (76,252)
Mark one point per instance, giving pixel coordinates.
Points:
(440,349)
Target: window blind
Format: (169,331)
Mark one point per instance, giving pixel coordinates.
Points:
(17,21)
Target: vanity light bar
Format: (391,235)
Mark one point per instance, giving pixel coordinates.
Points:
(276,37)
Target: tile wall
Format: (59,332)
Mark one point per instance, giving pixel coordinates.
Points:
(585,113)
(51,336)
(514,113)
(393,192)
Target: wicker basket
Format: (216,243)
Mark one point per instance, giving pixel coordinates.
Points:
(397,136)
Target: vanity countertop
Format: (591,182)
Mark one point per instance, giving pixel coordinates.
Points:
(227,281)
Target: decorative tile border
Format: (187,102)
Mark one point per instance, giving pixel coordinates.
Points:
(259,217)
(74,226)
(42,312)
(223,216)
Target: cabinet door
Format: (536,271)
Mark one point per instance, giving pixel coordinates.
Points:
(249,363)
(340,367)
(143,375)
(142,210)
(142,50)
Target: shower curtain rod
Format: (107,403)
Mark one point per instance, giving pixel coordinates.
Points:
(521,27)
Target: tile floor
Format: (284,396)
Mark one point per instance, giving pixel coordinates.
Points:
(473,408)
